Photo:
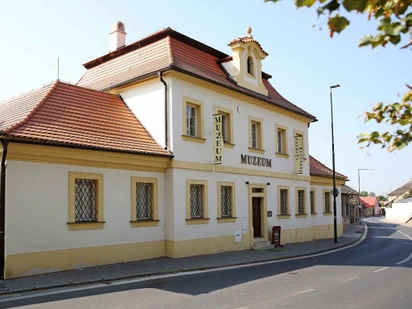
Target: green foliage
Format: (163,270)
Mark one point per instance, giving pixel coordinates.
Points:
(364,193)
(394,26)
(382,198)
(372,194)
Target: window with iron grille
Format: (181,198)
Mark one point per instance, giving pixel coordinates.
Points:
(85,200)
(196,201)
(144,201)
(312,202)
(191,123)
(283,201)
(301,202)
(226,201)
(327,202)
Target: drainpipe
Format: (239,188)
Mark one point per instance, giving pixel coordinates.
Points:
(164,83)
(5,144)
(166,138)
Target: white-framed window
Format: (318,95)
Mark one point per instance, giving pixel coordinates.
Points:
(191,120)
(312,202)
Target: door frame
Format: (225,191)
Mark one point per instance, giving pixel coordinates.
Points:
(263,209)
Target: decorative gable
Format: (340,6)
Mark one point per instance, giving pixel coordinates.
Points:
(246,65)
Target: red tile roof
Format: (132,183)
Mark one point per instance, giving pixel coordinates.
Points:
(170,50)
(17,109)
(67,114)
(246,39)
(321,170)
(368,202)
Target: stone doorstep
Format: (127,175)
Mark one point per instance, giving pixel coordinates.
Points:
(261,244)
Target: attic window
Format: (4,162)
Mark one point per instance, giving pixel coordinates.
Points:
(250,66)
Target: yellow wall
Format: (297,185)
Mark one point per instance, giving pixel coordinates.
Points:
(326,231)
(296,235)
(193,247)
(26,264)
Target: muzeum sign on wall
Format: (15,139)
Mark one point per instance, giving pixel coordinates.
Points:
(254,160)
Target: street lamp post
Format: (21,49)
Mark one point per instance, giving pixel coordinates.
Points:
(335,191)
(359,186)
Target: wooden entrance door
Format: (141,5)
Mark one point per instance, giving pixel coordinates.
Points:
(257,216)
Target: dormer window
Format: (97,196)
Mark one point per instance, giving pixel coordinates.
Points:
(245,66)
(250,66)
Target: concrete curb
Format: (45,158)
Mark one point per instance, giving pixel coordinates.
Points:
(186,271)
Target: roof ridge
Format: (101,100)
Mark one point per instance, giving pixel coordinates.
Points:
(171,58)
(26,93)
(35,109)
(88,88)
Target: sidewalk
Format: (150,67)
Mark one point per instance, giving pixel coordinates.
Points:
(167,265)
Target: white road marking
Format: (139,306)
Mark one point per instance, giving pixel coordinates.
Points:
(187,273)
(302,292)
(410,238)
(410,255)
(350,279)
(380,269)
(405,260)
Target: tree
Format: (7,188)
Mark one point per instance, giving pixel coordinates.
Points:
(382,198)
(372,194)
(364,193)
(395,26)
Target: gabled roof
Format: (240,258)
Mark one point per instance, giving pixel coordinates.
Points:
(319,169)
(62,113)
(402,189)
(170,50)
(348,190)
(368,201)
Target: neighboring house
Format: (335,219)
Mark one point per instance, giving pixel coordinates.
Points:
(403,192)
(214,159)
(350,202)
(321,185)
(370,206)
(400,212)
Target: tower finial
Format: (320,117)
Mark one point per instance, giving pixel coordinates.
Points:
(248,32)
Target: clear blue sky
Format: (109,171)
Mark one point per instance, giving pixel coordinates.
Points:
(302,59)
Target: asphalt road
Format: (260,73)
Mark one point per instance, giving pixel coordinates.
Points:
(374,274)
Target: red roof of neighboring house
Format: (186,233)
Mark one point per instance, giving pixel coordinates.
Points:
(170,50)
(62,113)
(319,169)
(368,202)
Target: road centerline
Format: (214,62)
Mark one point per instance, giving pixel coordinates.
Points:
(350,279)
(301,292)
(380,269)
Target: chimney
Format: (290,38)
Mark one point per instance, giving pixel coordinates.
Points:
(117,36)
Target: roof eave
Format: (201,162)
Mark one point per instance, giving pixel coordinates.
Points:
(23,140)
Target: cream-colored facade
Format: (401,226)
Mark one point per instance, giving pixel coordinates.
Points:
(259,179)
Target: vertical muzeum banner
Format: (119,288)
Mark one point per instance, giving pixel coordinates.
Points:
(218,140)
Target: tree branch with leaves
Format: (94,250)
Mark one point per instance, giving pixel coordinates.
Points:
(395,27)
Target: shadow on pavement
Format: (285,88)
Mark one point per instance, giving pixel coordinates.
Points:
(383,247)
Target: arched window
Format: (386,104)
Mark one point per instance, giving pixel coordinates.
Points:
(250,67)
